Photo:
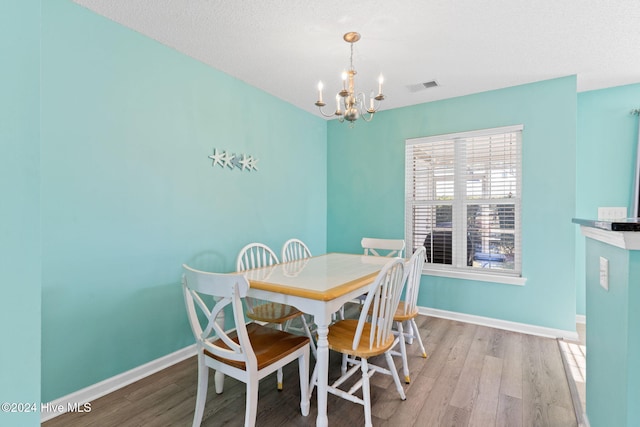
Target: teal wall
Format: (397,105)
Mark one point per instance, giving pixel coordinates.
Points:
(606,155)
(128,193)
(613,337)
(366,194)
(20,225)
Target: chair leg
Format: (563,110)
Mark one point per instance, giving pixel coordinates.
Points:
(279,373)
(314,379)
(219,376)
(307,332)
(366,393)
(409,337)
(403,353)
(343,368)
(303,372)
(394,374)
(201,396)
(416,333)
(252,402)
(218,379)
(338,315)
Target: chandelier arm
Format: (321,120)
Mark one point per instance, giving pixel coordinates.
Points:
(361,97)
(324,114)
(376,105)
(364,116)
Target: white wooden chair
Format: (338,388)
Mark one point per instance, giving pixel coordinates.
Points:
(382,247)
(294,249)
(249,352)
(255,255)
(358,340)
(407,310)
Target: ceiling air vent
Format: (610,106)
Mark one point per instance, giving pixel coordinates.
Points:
(422,86)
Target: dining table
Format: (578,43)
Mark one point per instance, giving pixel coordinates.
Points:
(318,286)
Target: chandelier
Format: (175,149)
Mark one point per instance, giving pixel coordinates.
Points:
(349,104)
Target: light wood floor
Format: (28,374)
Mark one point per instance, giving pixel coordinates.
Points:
(575,365)
(474,376)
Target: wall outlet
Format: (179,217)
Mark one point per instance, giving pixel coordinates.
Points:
(610,213)
(604,273)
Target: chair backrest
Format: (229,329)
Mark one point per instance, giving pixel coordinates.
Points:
(381,304)
(294,249)
(227,289)
(414,273)
(371,246)
(255,255)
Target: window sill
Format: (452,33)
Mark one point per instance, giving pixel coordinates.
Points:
(493,278)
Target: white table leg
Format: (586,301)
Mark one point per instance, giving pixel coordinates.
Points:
(322,363)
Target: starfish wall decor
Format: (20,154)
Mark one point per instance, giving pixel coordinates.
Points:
(240,161)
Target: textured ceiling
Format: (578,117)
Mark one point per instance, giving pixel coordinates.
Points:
(285,47)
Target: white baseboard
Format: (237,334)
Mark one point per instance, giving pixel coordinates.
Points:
(523,328)
(581,318)
(79,398)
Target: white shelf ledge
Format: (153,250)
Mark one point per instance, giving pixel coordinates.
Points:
(629,240)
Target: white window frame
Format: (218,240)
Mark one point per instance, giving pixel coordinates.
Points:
(458,269)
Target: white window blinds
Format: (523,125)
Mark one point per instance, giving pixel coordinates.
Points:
(463,199)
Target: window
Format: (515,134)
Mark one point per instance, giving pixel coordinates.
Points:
(462,200)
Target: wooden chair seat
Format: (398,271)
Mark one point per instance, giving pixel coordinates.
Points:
(403,315)
(341,336)
(269,345)
(273,313)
